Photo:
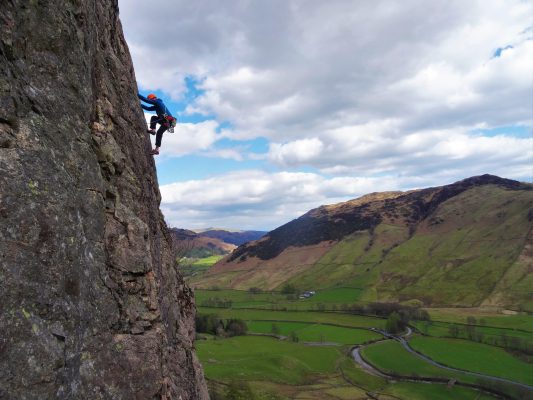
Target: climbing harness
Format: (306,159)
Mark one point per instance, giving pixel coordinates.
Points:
(167,120)
(171,121)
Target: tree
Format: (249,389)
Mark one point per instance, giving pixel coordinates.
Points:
(209,323)
(471,327)
(425,326)
(294,337)
(288,288)
(394,323)
(236,327)
(239,391)
(453,330)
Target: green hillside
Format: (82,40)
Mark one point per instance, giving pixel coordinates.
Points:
(465,244)
(459,260)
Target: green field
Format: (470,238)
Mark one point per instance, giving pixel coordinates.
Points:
(316,332)
(346,320)
(264,358)
(519,321)
(337,296)
(521,340)
(240,298)
(417,391)
(286,370)
(207,261)
(325,298)
(474,357)
(283,328)
(290,370)
(389,356)
(194,267)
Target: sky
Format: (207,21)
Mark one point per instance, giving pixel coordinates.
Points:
(285,105)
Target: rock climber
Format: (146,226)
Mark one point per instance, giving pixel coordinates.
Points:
(163,117)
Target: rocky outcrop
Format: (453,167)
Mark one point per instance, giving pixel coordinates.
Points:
(91,306)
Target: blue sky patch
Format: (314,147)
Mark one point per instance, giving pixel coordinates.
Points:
(519,131)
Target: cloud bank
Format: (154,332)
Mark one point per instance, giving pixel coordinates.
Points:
(352,91)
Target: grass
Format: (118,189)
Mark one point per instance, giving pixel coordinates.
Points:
(264,358)
(327,388)
(283,328)
(316,332)
(474,357)
(295,371)
(207,261)
(493,336)
(196,267)
(346,320)
(389,356)
(420,391)
(328,298)
(335,296)
(459,315)
(239,298)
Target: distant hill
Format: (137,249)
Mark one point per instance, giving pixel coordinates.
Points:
(191,244)
(234,237)
(469,243)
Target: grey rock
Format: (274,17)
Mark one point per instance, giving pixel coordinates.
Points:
(92,306)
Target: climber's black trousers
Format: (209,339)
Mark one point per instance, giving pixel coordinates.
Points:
(162,129)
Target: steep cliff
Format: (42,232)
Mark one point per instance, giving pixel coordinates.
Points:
(91,305)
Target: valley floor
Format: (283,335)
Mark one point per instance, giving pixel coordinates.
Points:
(302,349)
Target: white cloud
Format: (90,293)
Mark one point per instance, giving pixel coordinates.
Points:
(296,152)
(187,138)
(349,88)
(375,150)
(290,68)
(256,199)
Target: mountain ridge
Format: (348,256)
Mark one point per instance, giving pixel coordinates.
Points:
(363,221)
(234,237)
(393,243)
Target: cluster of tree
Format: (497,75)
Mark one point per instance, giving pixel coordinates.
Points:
(213,324)
(233,391)
(217,302)
(505,390)
(395,323)
(289,288)
(398,315)
(407,313)
(239,390)
(475,333)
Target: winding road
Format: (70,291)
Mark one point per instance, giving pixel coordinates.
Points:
(401,339)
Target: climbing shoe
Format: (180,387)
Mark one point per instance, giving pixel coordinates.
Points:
(151,131)
(154,152)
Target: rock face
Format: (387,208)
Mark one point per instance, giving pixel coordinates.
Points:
(91,306)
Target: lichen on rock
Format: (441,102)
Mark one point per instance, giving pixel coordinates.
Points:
(92,304)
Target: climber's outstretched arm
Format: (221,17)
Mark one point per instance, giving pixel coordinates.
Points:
(152,108)
(145,99)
